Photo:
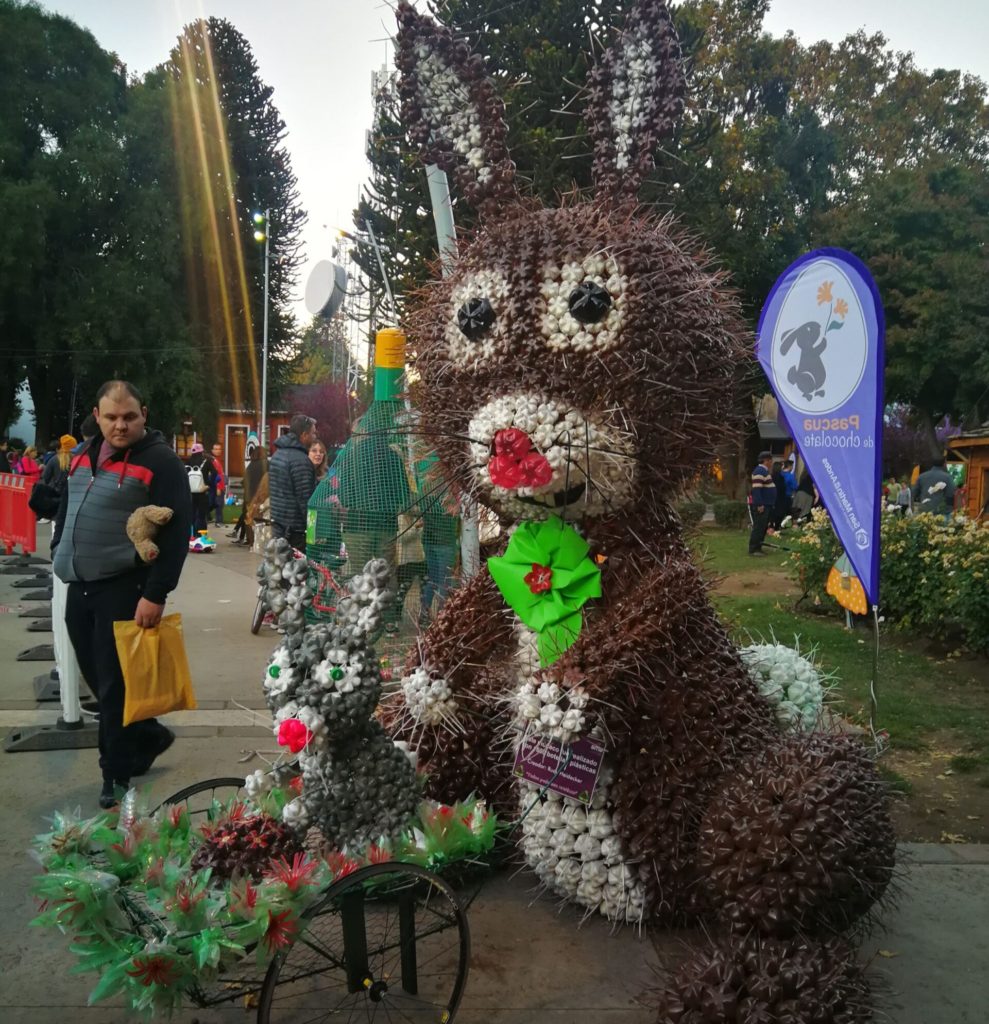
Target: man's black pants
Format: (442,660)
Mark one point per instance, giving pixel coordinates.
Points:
(90,612)
(760,523)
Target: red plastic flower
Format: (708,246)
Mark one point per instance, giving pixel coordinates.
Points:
(237,812)
(153,970)
(281,931)
(155,874)
(243,898)
(70,910)
(296,785)
(295,875)
(294,735)
(540,579)
(185,899)
(340,864)
(378,854)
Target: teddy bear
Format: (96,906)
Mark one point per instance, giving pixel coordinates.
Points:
(577,367)
(142,528)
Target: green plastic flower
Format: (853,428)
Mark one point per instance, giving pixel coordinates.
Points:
(546,578)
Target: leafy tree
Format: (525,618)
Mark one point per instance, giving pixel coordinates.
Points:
(60,99)
(907,440)
(330,404)
(324,352)
(230,161)
(128,310)
(924,233)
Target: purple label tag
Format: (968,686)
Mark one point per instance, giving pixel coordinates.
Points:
(568,770)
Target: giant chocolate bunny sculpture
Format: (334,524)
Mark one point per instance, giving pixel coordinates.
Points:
(577,368)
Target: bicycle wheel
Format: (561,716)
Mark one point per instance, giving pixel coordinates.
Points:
(199,797)
(389,942)
(258,614)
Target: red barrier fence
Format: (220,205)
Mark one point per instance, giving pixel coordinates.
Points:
(17,521)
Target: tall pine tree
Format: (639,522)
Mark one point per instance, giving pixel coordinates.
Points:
(230,162)
(394,207)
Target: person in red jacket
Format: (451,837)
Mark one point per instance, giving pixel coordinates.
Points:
(26,464)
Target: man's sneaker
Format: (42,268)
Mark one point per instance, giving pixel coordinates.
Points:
(163,739)
(757,554)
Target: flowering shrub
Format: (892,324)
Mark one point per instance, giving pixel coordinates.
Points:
(934,575)
(814,549)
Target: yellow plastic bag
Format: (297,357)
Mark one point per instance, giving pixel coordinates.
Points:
(156,670)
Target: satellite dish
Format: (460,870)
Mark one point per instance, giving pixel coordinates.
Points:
(325,289)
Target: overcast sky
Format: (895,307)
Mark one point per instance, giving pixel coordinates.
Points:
(319,55)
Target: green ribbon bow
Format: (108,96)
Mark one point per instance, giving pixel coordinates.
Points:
(548,602)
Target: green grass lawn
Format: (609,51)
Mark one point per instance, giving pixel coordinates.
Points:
(920,697)
(724,551)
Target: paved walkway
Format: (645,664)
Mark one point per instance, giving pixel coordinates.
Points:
(531,962)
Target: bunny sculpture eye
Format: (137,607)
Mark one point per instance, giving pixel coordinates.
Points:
(475,318)
(477,326)
(589,303)
(584,304)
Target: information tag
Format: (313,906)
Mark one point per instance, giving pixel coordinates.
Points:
(571,770)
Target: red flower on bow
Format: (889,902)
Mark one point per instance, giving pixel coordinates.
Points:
(294,735)
(540,579)
(515,464)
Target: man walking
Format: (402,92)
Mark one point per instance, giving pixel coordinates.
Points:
(763,501)
(291,481)
(123,468)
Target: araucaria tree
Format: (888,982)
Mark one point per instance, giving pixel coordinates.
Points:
(230,162)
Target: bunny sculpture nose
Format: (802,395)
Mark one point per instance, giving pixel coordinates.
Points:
(515,463)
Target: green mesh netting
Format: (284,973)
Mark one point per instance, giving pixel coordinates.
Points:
(381,499)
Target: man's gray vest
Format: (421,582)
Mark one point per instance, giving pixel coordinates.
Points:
(94,543)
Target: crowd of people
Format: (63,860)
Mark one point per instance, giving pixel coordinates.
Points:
(371,511)
(776,496)
(88,489)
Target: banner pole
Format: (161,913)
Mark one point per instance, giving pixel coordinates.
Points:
(879,738)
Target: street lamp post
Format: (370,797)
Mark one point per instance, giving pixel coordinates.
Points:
(261,235)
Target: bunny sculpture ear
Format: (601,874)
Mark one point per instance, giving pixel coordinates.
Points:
(451,109)
(635,98)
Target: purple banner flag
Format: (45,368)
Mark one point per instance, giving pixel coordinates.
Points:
(820,341)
